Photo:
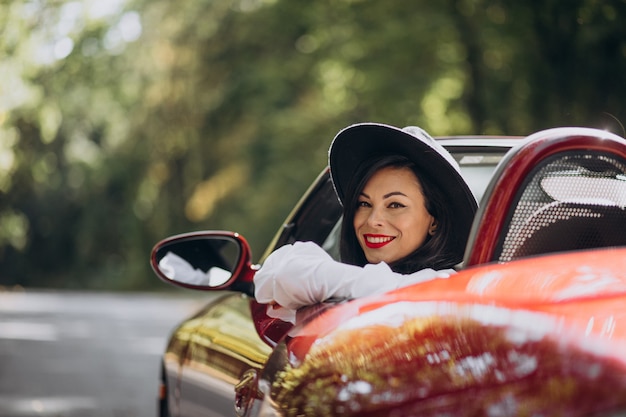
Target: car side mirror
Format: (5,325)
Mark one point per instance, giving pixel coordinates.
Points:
(205,260)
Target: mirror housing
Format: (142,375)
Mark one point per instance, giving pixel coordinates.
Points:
(208,260)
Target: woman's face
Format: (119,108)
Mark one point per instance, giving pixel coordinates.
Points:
(391,220)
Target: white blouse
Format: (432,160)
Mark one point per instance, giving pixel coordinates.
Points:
(303,274)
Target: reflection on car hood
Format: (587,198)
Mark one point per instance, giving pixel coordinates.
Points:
(543,336)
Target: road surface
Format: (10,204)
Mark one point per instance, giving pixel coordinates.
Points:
(80,354)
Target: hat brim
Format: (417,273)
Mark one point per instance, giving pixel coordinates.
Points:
(357,143)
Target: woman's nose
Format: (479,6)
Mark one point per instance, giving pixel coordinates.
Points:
(375,218)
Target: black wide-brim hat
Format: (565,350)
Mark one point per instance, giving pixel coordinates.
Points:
(360,142)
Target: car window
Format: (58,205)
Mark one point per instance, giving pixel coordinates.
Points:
(314,218)
(331,244)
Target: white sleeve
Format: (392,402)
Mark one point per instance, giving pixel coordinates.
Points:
(303,274)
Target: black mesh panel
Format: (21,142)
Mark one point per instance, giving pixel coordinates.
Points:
(569,202)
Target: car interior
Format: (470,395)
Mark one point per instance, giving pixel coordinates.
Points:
(570,202)
(553,193)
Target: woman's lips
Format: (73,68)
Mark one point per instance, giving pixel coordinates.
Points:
(377,241)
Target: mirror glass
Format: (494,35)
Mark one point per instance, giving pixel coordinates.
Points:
(198,260)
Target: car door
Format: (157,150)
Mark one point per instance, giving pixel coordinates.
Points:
(230,336)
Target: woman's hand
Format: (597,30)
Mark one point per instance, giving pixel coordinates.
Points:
(287,277)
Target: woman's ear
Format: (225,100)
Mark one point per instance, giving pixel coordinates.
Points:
(433,227)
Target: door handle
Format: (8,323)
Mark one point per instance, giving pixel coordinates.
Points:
(246,392)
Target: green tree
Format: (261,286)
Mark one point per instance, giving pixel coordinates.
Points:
(124,122)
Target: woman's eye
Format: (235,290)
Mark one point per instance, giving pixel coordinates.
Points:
(362,204)
(396,205)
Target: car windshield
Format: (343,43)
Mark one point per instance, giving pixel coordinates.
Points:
(477,170)
(477,167)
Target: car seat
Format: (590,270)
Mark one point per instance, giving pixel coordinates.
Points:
(561,189)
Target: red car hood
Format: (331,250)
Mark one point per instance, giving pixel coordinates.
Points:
(542,336)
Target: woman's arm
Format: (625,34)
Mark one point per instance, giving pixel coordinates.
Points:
(303,274)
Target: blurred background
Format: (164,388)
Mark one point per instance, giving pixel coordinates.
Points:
(125,121)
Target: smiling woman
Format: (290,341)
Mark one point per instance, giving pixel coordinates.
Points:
(406,217)
(390,224)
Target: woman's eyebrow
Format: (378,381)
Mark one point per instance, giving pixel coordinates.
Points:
(391,194)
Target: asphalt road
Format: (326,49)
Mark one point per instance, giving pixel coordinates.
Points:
(71,354)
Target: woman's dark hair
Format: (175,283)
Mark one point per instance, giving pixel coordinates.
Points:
(436,252)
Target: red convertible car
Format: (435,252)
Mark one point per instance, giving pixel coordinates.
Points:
(533,323)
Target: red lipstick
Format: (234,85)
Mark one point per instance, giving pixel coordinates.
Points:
(377,241)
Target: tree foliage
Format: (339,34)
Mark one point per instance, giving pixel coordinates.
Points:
(123,122)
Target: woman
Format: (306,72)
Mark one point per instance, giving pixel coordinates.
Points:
(407,216)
